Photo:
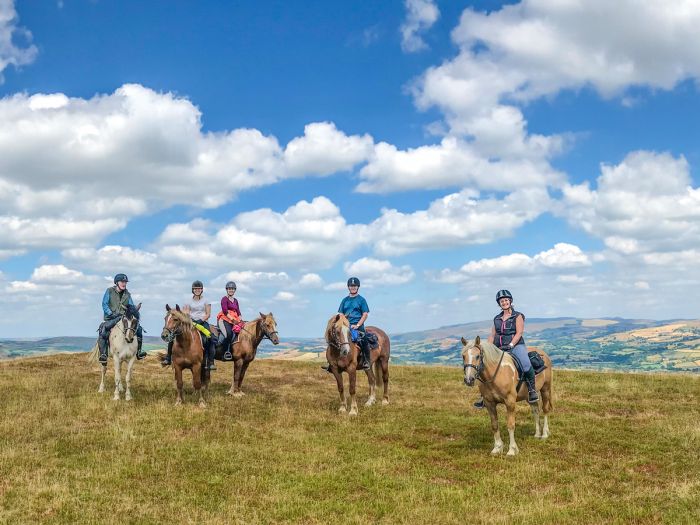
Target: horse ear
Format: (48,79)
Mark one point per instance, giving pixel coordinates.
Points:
(337,316)
(167,307)
(177,307)
(477,341)
(138,307)
(464,342)
(262,315)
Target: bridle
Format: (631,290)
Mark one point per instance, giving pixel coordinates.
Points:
(171,333)
(133,329)
(335,342)
(266,334)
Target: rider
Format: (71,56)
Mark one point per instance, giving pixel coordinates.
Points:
(114,303)
(507,334)
(355,308)
(229,316)
(199,310)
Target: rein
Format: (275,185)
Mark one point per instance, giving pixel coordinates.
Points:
(254,335)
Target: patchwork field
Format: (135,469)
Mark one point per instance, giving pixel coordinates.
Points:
(623,450)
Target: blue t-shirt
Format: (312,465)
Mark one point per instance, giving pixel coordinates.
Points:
(353,308)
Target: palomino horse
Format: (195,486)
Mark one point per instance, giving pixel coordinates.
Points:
(188,351)
(122,346)
(245,347)
(342,356)
(498,379)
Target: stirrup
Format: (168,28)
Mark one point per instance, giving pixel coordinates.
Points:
(327,368)
(479,403)
(228,356)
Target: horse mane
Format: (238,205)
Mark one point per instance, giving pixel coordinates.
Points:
(492,354)
(131,311)
(182,318)
(332,322)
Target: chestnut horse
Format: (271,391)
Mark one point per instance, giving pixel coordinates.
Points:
(342,355)
(245,347)
(188,351)
(498,379)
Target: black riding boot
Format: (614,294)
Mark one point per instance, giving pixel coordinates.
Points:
(140,354)
(168,359)
(102,346)
(366,360)
(532,396)
(479,403)
(211,354)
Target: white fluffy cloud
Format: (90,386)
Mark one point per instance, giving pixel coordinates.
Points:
(308,235)
(10,52)
(378,272)
(457,219)
(561,257)
(311,280)
(644,204)
(324,150)
(420,16)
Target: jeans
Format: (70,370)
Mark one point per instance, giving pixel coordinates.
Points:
(519,352)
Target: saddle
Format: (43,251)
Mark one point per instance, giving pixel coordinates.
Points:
(536,362)
(219,338)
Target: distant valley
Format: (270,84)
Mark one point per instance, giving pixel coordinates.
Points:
(609,343)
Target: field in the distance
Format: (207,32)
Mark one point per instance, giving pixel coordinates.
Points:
(624,449)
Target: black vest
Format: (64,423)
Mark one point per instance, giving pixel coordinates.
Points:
(506,330)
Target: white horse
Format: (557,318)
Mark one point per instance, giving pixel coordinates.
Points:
(123,346)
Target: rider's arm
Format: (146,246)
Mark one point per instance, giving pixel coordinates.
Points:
(186,308)
(224,305)
(105,303)
(131,301)
(519,328)
(492,337)
(207,312)
(362,320)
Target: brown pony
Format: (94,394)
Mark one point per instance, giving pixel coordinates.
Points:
(245,347)
(342,356)
(188,351)
(498,380)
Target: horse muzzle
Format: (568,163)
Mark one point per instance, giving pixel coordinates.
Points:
(469,381)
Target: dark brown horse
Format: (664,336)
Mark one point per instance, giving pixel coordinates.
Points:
(188,351)
(342,356)
(245,347)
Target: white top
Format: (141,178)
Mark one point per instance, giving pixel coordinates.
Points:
(197,307)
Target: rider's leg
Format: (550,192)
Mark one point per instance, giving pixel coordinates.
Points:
(479,403)
(168,359)
(364,348)
(102,342)
(140,354)
(520,353)
(211,353)
(227,342)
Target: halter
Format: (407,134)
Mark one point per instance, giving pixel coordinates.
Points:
(480,368)
(126,331)
(335,343)
(171,333)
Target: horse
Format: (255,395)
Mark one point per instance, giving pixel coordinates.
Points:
(498,380)
(342,356)
(188,351)
(245,346)
(123,346)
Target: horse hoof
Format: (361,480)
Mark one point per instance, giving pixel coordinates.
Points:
(238,394)
(229,392)
(202,404)
(116,397)
(370,402)
(496,451)
(101,390)
(353,412)
(385,402)
(512,452)
(178,403)
(128,397)
(544,436)
(342,410)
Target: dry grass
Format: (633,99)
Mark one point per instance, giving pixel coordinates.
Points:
(624,449)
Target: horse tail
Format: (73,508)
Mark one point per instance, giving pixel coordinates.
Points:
(93,354)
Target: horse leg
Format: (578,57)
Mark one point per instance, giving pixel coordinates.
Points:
(384,363)
(244,367)
(510,407)
(372,380)
(103,371)
(197,383)
(117,377)
(178,383)
(235,390)
(497,442)
(353,400)
(536,416)
(129,368)
(339,380)
(546,392)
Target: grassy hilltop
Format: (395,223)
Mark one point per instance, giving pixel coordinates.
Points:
(624,449)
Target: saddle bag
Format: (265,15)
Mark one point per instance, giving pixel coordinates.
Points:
(372,339)
(536,361)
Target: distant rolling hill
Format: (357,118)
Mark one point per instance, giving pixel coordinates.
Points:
(609,343)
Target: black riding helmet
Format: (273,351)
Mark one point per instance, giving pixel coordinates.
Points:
(503,293)
(121,277)
(230,285)
(197,284)
(353,281)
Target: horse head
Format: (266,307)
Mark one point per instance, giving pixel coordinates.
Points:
(338,334)
(269,327)
(130,322)
(174,320)
(472,360)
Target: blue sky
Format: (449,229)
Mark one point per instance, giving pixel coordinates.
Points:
(439,150)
